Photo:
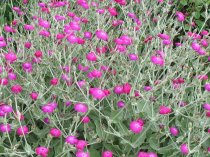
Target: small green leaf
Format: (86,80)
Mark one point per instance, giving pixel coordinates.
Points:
(197,15)
(183,2)
(94,152)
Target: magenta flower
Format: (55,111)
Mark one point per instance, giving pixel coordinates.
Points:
(195,46)
(44,23)
(107,153)
(127,88)
(3,44)
(10,57)
(157,60)
(133,57)
(81,107)
(102,35)
(207,87)
(206,106)
(72,140)
(28,27)
(180,16)
(5,128)
(136,127)
(91,56)
(23,130)
(55,132)
(82,154)
(164,110)
(16,89)
(97,93)
(81,144)
(184,149)
(174,131)
(44,33)
(120,104)
(88,35)
(42,151)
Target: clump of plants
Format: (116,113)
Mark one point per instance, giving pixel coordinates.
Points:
(104,78)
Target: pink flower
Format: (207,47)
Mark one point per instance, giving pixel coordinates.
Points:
(85,119)
(28,27)
(204,43)
(133,57)
(60,36)
(5,128)
(206,106)
(184,149)
(6,108)
(152,154)
(10,57)
(180,16)
(88,35)
(44,33)
(9,29)
(97,93)
(136,127)
(42,151)
(74,26)
(174,131)
(113,11)
(60,18)
(121,2)
(204,32)
(120,104)
(100,11)
(147,88)
(48,108)
(91,56)
(54,81)
(122,49)
(71,140)
(12,76)
(157,60)
(207,87)
(195,46)
(118,89)
(201,52)
(127,88)
(81,144)
(102,35)
(160,1)
(208,149)
(23,130)
(164,36)
(126,40)
(16,89)
(143,154)
(81,107)
(55,132)
(44,23)
(95,73)
(164,110)
(202,77)
(34,95)
(72,39)
(3,44)
(4,81)
(82,154)
(27,67)
(167,42)
(107,153)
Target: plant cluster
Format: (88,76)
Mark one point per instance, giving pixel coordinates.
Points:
(119,78)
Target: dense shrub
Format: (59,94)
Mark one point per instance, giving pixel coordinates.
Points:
(105,78)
